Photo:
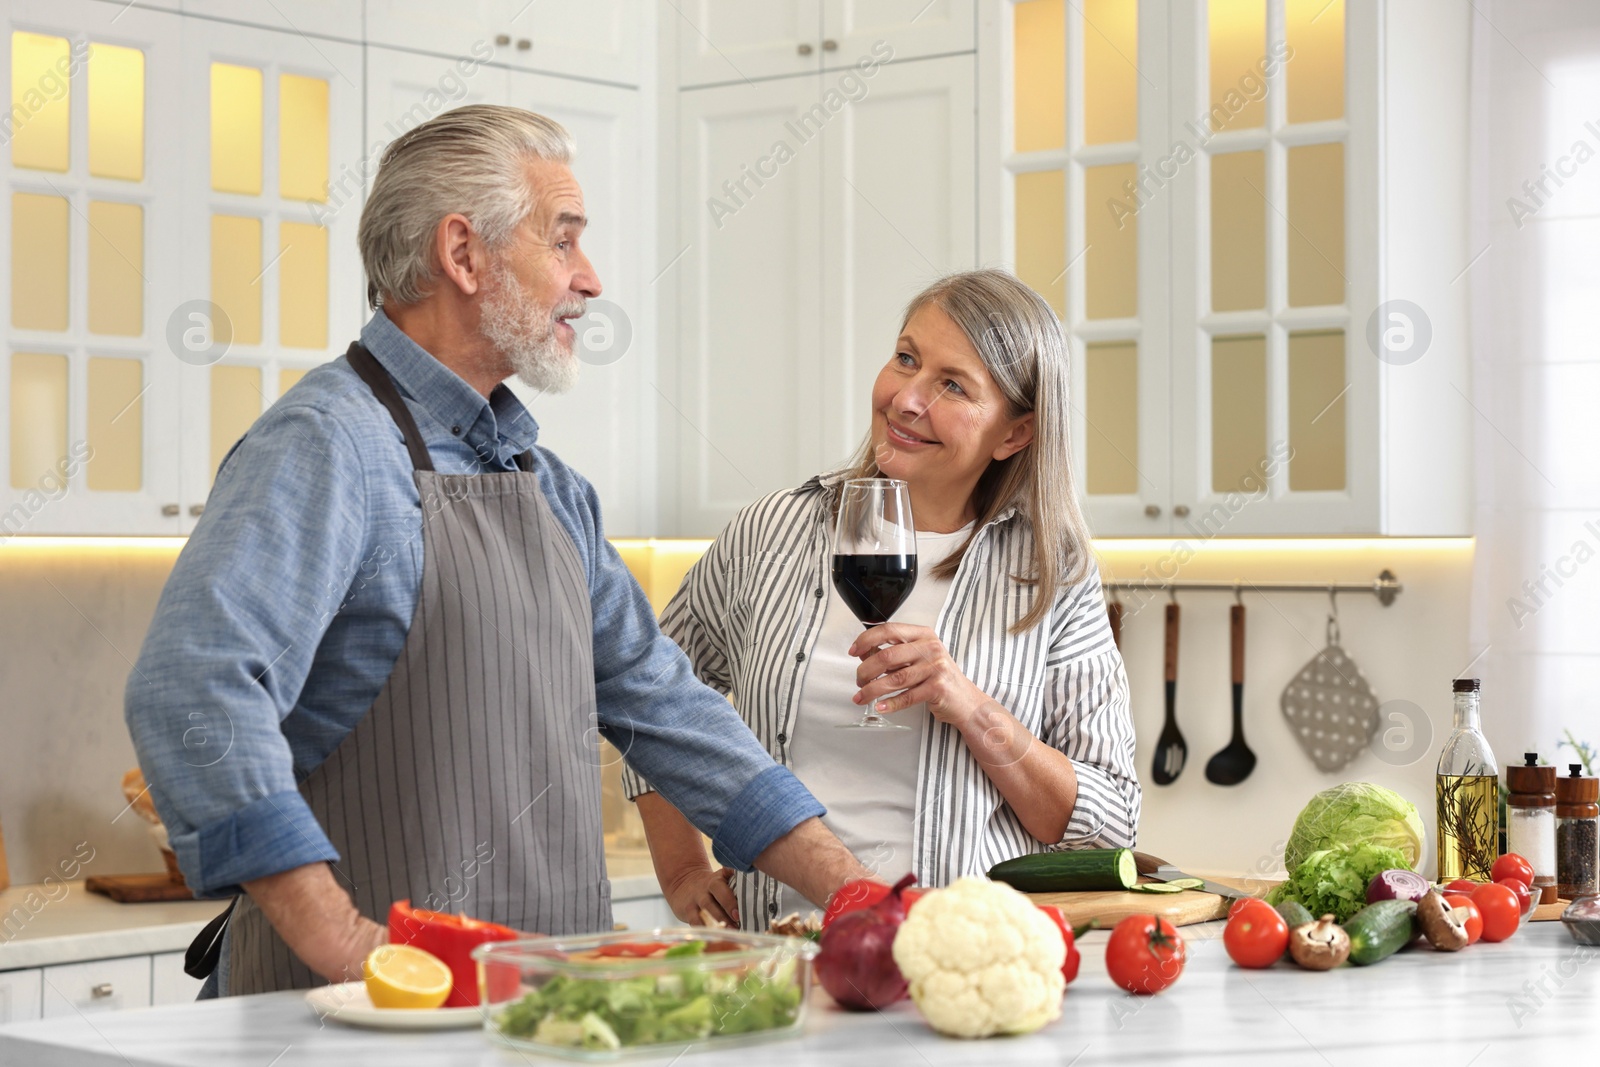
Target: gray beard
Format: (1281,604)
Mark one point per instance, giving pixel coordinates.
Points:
(525,334)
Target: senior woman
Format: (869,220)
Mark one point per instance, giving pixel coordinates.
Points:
(1001,661)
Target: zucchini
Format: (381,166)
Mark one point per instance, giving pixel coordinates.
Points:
(1380,930)
(1065,872)
(1295,914)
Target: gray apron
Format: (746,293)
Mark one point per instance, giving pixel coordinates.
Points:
(472,785)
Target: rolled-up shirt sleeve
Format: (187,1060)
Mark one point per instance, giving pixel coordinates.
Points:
(1087,718)
(682,736)
(232,642)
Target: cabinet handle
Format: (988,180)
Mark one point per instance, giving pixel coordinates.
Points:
(502,39)
(830,45)
(523,44)
(804,48)
(197,510)
(1181,511)
(1152,511)
(170,511)
(101,991)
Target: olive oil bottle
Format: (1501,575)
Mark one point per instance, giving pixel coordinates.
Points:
(1467,793)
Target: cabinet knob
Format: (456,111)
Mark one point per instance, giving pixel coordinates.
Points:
(502,39)
(1152,511)
(170,511)
(1181,511)
(197,510)
(804,48)
(830,45)
(101,991)
(523,44)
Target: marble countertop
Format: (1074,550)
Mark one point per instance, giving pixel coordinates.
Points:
(61,922)
(1521,1001)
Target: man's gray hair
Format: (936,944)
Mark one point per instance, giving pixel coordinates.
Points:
(471,160)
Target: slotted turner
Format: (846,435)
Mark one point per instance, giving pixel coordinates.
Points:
(1330,706)
(1171,749)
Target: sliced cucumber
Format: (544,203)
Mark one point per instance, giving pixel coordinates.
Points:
(1070,871)
(1177,885)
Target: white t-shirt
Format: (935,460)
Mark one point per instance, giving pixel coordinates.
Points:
(867,779)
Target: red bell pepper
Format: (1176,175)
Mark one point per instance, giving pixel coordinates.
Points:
(1069,966)
(452,938)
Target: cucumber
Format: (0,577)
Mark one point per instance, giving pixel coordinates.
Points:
(1380,930)
(1295,914)
(1065,872)
(1177,885)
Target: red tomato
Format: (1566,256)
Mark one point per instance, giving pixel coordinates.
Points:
(1256,937)
(1145,954)
(1512,865)
(1464,886)
(1502,914)
(1069,967)
(1474,921)
(1524,894)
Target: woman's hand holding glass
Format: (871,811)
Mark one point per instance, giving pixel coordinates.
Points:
(916,668)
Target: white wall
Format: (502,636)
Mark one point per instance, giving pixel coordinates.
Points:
(1408,652)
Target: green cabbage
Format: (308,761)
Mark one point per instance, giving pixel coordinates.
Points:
(1334,880)
(1353,814)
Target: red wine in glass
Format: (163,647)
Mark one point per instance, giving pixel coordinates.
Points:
(875,560)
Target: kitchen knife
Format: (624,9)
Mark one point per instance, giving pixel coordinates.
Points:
(1169,873)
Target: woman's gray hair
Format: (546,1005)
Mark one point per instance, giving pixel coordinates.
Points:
(472,160)
(1020,341)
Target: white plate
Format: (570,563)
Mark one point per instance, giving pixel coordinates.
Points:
(348,1003)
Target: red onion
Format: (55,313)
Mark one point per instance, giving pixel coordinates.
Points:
(1397,884)
(856,965)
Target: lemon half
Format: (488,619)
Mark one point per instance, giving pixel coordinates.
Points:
(403,976)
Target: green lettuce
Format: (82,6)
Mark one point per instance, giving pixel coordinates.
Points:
(1353,814)
(1334,880)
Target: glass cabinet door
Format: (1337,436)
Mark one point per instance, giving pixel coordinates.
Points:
(1088,226)
(87,386)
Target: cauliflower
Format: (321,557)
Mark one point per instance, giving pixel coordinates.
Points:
(981,960)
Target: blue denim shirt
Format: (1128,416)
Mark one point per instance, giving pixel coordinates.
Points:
(287,610)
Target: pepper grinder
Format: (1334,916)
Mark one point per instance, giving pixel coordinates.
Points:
(1577,834)
(1531,818)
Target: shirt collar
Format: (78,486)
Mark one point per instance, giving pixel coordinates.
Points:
(499,421)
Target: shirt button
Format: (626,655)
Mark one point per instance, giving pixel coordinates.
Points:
(456,430)
(783,738)
(772,909)
(819,592)
(799,657)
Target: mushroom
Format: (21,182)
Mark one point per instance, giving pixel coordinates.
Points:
(1441,924)
(1320,945)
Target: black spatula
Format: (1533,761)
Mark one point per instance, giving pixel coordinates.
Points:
(1233,764)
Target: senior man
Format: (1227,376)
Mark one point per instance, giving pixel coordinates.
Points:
(378,666)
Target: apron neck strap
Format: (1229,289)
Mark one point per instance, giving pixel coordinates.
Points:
(382,386)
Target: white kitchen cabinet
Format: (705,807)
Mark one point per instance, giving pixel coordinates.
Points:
(592,39)
(804,241)
(722,41)
(914,29)
(90,230)
(341,18)
(1221,250)
(271,199)
(96,986)
(168,982)
(21,995)
(885,237)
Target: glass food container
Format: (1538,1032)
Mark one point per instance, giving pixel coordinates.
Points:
(607,996)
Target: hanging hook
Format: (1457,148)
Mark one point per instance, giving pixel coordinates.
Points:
(1333,602)
(1172,593)
(1238,594)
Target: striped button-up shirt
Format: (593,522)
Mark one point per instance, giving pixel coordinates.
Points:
(749,612)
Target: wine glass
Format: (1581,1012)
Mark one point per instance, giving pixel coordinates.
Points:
(874,560)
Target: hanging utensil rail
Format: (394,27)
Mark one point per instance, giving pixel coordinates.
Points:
(1385,587)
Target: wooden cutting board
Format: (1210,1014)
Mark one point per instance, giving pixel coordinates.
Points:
(1179,909)
(138,888)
